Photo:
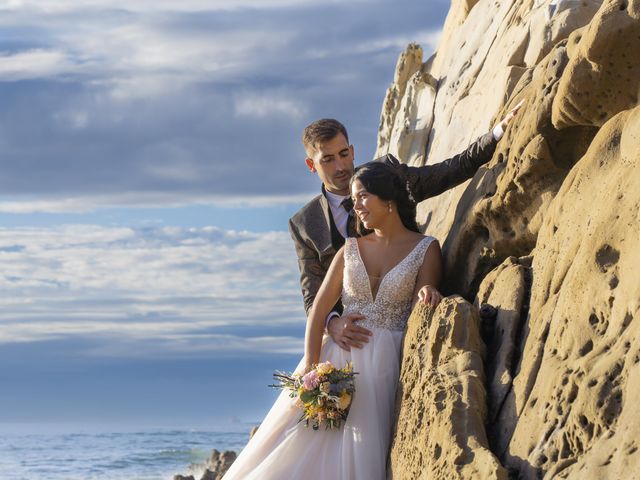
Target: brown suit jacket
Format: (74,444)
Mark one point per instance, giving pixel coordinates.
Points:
(310,227)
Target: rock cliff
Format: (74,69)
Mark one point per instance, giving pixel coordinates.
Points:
(534,373)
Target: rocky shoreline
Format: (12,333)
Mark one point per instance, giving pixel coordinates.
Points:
(214,469)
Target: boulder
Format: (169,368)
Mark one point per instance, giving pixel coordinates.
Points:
(440,407)
(218,465)
(506,291)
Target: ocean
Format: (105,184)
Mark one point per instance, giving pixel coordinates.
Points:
(145,454)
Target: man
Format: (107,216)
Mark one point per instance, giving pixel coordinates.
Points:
(319,228)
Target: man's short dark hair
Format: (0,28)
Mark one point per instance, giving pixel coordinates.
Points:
(321,131)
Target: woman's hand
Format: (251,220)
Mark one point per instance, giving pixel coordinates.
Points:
(306,367)
(429,295)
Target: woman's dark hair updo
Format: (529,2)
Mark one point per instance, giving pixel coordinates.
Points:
(389,184)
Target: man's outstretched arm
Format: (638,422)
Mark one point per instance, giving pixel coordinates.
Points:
(432,180)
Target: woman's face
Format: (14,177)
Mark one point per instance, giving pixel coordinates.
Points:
(370,208)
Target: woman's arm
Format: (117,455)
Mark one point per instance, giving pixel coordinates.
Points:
(326,298)
(429,277)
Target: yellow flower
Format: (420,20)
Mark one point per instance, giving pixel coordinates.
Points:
(325,387)
(345,401)
(324,368)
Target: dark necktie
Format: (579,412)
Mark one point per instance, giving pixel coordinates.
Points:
(347,204)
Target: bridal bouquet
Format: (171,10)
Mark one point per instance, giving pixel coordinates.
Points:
(324,394)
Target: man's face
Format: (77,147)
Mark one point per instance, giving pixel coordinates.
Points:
(333,162)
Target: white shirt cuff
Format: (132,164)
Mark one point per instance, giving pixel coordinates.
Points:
(329,317)
(498,132)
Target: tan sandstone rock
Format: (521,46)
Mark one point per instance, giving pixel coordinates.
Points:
(504,293)
(485,49)
(501,210)
(410,62)
(548,233)
(412,121)
(576,393)
(605,57)
(441,406)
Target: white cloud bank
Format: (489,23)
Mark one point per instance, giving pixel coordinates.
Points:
(147,200)
(149,291)
(37,63)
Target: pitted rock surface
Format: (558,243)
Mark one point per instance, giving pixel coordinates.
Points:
(547,234)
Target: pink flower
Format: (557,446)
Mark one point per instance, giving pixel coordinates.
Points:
(311,380)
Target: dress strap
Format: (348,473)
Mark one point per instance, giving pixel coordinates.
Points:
(421,249)
(350,251)
(350,245)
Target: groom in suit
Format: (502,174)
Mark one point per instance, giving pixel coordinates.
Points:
(319,228)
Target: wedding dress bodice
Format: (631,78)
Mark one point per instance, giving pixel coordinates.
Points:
(391,307)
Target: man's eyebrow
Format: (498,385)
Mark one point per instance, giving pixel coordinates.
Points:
(328,155)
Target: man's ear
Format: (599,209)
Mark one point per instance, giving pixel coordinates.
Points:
(310,165)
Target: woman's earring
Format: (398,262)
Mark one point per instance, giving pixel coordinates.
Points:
(390,209)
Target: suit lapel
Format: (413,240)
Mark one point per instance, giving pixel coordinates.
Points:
(324,225)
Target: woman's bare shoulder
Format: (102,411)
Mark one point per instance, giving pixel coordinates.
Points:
(417,236)
(368,238)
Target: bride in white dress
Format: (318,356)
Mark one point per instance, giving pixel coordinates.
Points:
(380,275)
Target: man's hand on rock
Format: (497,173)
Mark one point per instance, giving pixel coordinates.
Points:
(346,333)
(509,116)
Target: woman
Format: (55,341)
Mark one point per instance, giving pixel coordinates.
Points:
(381,276)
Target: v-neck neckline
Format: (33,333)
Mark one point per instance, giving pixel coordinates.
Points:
(383,278)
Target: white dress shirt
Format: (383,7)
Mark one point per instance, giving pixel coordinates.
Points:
(340,215)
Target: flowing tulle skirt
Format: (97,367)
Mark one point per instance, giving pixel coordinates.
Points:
(282,448)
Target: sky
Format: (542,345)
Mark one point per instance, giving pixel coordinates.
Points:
(150,158)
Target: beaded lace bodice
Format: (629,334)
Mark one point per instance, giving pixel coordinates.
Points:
(392,305)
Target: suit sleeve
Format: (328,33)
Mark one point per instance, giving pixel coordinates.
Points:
(432,180)
(311,271)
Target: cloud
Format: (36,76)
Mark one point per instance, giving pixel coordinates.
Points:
(148,200)
(33,64)
(143,6)
(268,105)
(180,100)
(158,288)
